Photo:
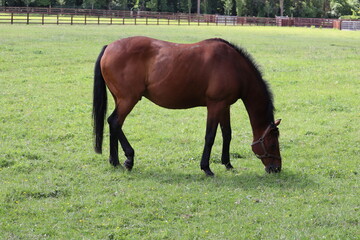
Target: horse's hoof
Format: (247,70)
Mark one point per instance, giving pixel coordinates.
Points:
(128,165)
(209,173)
(229,166)
(114,162)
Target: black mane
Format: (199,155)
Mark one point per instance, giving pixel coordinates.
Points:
(256,68)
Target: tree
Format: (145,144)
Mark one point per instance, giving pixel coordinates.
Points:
(350,7)
(184,6)
(344,7)
(281,3)
(228,5)
(163,6)
(152,5)
(61,2)
(28,2)
(240,8)
(42,3)
(89,3)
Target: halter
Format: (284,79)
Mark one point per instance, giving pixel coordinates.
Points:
(261,141)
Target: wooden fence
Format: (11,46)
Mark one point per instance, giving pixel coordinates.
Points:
(350,25)
(24,15)
(31,18)
(101,17)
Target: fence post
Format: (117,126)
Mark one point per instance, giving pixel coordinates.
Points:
(111,20)
(57,19)
(27,18)
(99,20)
(42,19)
(71,19)
(12,18)
(85,19)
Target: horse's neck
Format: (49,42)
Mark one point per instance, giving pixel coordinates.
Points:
(257,105)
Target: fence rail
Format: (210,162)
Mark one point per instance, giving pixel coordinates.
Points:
(33,17)
(27,15)
(350,25)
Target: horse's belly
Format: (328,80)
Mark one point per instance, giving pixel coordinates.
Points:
(175,98)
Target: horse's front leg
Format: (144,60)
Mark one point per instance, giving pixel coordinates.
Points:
(211,128)
(226,134)
(215,112)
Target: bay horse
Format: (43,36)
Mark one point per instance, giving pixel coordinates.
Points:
(212,73)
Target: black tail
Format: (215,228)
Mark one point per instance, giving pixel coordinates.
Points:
(99,104)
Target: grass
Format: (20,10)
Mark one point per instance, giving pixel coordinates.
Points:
(53,186)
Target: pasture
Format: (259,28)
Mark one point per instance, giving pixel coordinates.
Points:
(53,185)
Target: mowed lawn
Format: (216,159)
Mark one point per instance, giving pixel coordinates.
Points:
(53,185)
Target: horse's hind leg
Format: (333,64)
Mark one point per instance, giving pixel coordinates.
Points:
(226,134)
(113,126)
(116,121)
(128,150)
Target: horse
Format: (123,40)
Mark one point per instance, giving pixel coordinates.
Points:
(212,73)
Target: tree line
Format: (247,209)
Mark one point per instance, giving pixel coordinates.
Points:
(257,8)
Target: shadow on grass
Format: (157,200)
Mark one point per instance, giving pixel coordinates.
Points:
(242,178)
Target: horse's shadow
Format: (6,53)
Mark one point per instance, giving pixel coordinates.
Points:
(235,179)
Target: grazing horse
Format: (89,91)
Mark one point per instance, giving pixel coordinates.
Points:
(212,73)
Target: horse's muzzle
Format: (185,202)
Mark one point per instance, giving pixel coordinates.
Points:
(273,169)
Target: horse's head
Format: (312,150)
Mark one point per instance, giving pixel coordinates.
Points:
(267,148)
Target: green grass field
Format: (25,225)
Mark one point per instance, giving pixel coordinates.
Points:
(53,186)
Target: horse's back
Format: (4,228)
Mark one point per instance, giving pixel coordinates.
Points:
(192,74)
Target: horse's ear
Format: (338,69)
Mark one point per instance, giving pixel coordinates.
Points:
(277,122)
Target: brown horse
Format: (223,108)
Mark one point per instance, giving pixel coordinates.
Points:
(212,73)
